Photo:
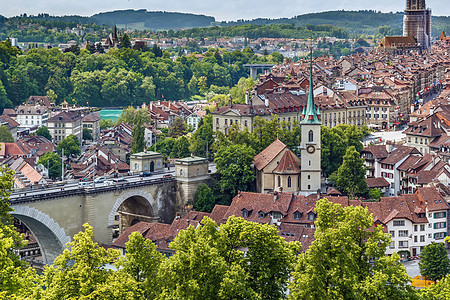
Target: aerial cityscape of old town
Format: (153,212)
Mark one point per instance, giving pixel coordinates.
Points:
(147,154)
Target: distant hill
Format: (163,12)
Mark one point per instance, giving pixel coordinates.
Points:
(143,19)
(354,22)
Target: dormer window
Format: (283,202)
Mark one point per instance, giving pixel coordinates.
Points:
(297,215)
(311,216)
(245,213)
(261,214)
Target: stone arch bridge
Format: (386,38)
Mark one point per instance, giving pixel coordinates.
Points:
(55,216)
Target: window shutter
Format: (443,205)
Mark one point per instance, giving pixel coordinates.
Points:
(435,235)
(435,214)
(445,225)
(435,225)
(445,214)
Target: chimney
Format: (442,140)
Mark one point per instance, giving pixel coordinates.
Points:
(217,106)
(266,102)
(246,97)
(230,102)
(325,91)
(275,196)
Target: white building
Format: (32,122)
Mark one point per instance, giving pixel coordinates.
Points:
(29,116)
(195,118)
(64,124)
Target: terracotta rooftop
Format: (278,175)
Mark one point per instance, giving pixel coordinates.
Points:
(262,159)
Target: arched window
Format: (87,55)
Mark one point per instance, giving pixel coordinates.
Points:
(279,181)
(309,186)
(289,181)
(310,136)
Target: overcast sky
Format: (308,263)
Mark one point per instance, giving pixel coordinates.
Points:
(220,9)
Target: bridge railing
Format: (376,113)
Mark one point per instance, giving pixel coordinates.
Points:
(29,197)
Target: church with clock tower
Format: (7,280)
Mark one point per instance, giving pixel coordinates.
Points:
(279,169)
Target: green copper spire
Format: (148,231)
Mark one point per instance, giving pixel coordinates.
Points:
(311,116)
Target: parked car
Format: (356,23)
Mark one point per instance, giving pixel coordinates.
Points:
(109,182)
(100,179)
(83,184)
(145,174)
(167,175)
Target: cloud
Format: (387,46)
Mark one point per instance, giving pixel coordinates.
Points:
(220,9)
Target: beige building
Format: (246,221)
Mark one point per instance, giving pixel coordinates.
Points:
(146,162)
(287,106)
(342,107)
(92,123)
(191,168)
(64,124)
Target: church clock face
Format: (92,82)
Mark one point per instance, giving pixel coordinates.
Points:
(310,149)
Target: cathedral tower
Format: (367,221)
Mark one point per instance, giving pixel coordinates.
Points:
(417,22)
(310,145)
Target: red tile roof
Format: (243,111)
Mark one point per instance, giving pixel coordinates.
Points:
(267,155)
(287,165)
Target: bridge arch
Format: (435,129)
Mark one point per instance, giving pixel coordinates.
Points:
(50,237)
(141,197)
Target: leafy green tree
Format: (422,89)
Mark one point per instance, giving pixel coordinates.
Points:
(233,164)
(125,41)
(17,278)
(43,131)
(127,115)
(204,199)
(71,146)
(202,139)
(138,132)
(53,162)
(5,135)
(87,134)
(178,128)
(208,263)
(434,262)
(351,175)
(106,123)
(347,259)
(375,194)
(181,148)
(80,270)
(437,291)
(141,261)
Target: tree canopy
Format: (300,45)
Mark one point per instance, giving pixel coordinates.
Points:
(434,262)
(70,144)
(347,259)
(44,132)
(5,135)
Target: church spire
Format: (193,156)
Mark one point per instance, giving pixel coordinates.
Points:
(310,116)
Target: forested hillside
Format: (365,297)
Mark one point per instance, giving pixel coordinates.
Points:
(364,22)
(143,19)
(120,77)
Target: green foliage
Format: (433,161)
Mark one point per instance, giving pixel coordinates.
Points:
(178,128)
(437,291)
(106,123)
(233,164)
(141,262)
(375,194)
(43,131)
(17,278)
(138,132)
(434,262)
(181,148)
(254,31)
(54,163)
(202,139)
(208,263)
(71,146)
(335,142)
(87,134)
(351,175)
(125,41)
(347,259)
(5,135)
(204,199)
(80,270)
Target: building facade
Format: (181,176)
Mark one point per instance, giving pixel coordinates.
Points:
(417,22)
